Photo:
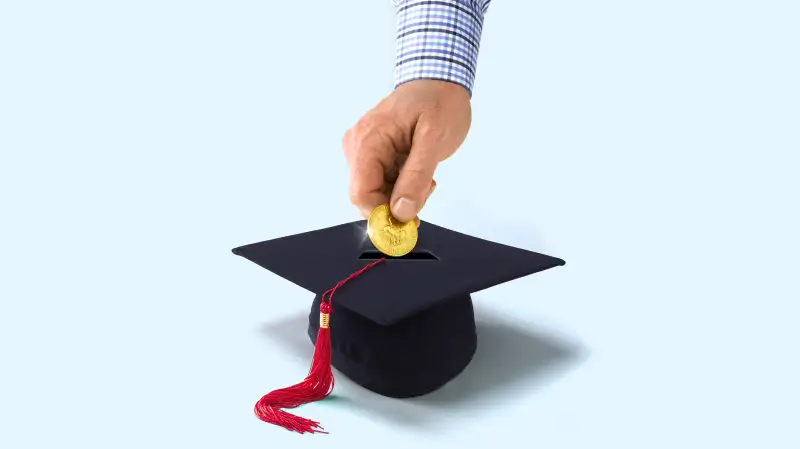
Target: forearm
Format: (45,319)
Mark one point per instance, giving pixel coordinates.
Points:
(439,39)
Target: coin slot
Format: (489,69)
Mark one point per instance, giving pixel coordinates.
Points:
(413,255)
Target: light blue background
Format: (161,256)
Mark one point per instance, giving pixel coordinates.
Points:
(653,145)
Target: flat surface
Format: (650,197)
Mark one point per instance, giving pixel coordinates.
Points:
(396,289)
(141,141)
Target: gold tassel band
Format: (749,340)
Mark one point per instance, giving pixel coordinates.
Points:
(324,320)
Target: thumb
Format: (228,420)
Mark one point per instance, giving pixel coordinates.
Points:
(413,184)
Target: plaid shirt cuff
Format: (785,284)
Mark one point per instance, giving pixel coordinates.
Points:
(439,39)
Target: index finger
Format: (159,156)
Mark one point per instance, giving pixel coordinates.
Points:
(367,187)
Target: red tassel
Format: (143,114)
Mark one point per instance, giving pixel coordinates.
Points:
(317,385)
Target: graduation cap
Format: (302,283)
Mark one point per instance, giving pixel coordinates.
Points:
(402,327)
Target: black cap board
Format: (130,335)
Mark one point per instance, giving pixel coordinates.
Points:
(406,326)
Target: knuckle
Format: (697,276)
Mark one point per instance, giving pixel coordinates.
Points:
(353,192)
(431,132)
(354,197)
(346,138)
(347,147)
(357,197)
(360,133)
(364,127)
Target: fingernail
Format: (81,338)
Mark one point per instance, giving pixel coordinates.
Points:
(404,209)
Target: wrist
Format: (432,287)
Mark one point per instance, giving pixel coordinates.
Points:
(431,88)
(438,41)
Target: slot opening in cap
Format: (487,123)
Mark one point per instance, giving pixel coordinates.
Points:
(413,255)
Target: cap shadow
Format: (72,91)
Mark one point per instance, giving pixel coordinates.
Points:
(508,360)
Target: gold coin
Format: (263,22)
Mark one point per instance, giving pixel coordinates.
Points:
(390,236)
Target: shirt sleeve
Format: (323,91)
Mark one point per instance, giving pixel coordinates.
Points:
(439,39)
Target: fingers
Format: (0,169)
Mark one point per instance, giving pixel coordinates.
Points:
(433,187)
(367,185)
(415,182)
(371,200)
(364,150)
(393,161)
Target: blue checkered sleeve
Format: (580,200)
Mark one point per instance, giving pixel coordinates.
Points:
(439,39)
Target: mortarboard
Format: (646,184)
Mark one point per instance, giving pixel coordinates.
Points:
(405,327)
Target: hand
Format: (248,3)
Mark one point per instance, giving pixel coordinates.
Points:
(393,151)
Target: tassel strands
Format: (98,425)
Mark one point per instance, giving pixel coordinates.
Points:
(319,382)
